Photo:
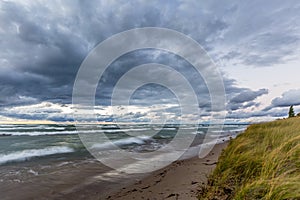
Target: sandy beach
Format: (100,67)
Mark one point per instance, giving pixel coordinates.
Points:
(180,180)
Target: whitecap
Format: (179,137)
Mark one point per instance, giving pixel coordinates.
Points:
(30,153)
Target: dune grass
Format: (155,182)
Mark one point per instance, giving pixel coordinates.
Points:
(262,163)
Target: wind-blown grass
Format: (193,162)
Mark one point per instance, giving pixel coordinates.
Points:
(262,163)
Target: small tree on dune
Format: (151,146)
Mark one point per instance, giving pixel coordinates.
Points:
(291,112)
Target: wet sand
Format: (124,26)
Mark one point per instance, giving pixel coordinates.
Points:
(34,181)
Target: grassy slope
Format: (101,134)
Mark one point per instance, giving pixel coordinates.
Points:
(262,163)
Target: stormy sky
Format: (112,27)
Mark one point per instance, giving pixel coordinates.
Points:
(255,45)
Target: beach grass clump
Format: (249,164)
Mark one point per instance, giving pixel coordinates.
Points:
(261,163)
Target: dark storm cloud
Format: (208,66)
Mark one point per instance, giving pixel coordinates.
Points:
(151,93)
(41,52)
(276,113)
(287,99)
(44,42)
(245,99)
(291,97)
(237,106)
(247,96)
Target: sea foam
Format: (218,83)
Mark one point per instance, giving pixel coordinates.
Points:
(125,141)
(30,153)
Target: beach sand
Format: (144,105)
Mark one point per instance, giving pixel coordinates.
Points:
(180,180)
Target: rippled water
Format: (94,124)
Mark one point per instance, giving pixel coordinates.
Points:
(40,160)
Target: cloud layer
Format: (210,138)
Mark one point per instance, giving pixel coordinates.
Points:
(43,44)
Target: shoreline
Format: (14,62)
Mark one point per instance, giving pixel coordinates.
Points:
(179,180)
(78,175)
